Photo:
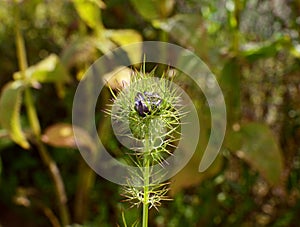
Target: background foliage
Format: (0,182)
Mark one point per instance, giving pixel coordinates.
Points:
(252,46)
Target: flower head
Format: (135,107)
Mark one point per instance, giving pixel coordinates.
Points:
(149,110)
(146,118)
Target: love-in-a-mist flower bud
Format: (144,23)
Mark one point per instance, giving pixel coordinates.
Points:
(147,102)
(146,117)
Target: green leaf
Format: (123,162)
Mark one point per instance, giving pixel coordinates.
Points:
(269,48)
(255,144)
(10,104)
(153,9)
(90,12)
(295,50)
(186,29)
(124,37)
(189,176)
(147,9)
(47,70)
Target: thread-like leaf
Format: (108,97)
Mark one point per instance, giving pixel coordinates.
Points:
(10,104)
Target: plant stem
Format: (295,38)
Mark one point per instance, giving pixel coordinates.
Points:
(47,160)
(86,180)
(35,126)
(31,112)
(146,195)
(58,183)
(146,183)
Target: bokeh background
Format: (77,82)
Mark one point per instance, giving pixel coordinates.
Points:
(253,48)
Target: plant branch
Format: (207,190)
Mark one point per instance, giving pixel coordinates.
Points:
(35,125)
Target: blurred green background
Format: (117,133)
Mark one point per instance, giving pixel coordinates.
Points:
(253,48)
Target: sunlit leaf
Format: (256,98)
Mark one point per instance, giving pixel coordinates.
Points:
(99,3)
(165,7)
(147,9)
(89,11)
(255,144)
(269,48)
(10,104)
(124,37)
(186,29)
(295,50)
(47,70)
(153,9)
(61,135)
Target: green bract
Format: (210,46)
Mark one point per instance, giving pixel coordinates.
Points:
(146,118)
(157,119)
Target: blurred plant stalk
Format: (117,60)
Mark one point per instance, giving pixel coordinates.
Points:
(35,126)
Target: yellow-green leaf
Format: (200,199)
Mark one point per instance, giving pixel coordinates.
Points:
(10,104)
(123,37)
(48,70)
(89,11)
(266,49)
(153,9)
(147,9)
(185,29)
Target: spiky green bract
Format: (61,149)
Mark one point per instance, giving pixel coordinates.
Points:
(151,136)
(156,191)
(161,126)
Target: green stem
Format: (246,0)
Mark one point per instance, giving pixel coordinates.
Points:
(47,160)
(35,126)
(31,112)
(235,26)
(86,179)
(58,183)
(146,184)
(163,36)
